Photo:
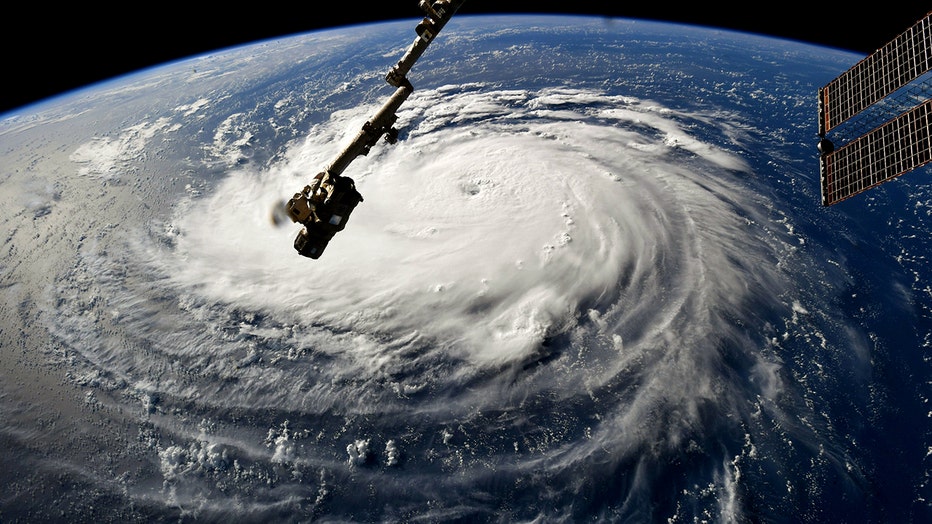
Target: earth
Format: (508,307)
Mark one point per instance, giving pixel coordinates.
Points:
(591,281)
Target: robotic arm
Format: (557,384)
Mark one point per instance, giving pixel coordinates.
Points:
(323,207)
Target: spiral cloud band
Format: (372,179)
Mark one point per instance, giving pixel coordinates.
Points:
(576,252)
(500,220)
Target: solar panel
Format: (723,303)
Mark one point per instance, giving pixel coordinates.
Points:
(875,118)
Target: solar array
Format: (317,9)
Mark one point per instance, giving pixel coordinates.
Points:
(894,79)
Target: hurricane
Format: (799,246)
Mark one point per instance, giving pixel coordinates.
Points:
(591,281)
(552,303)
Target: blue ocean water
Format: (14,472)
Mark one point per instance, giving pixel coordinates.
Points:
(592,281)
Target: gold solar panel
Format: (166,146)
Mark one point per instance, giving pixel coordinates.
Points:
(874,119)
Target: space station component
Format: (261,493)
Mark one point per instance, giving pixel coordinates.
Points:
(326,204)
(324,207)
(875,119)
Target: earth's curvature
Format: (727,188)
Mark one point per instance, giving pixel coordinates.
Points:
(592,281)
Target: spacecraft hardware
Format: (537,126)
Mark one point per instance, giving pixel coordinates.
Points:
(875,119)
(324,206)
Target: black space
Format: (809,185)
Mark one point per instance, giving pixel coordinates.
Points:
(49,50)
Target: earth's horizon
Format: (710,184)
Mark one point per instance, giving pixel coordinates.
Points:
(591,282)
